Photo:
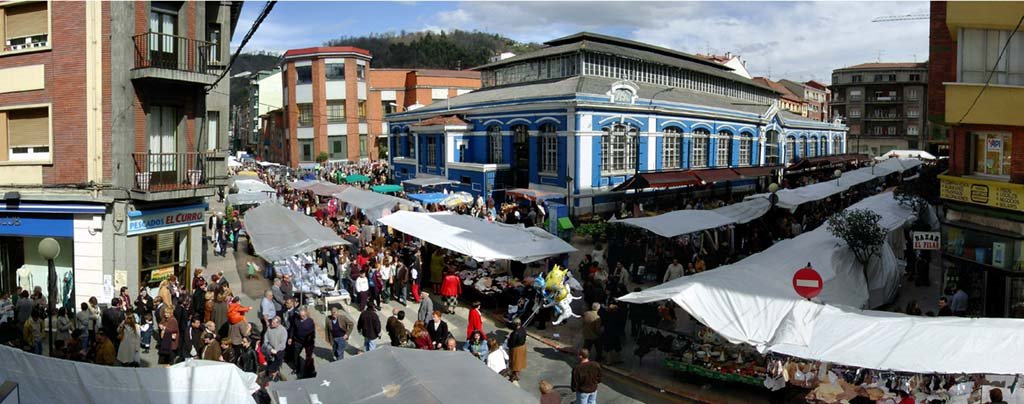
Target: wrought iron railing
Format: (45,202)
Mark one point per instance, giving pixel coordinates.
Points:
(155,172)
(167,51)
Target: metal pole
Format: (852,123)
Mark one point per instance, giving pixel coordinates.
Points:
(52,300)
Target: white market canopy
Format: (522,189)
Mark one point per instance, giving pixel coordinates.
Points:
(278,233)
(373,205)
(248,198)
(792,198)
(677,223)
(428,181)
(47,380)
(390,375)
(752,302)
(252,185)
(907,154)
(477,238)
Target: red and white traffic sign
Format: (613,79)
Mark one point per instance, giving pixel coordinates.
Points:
(807,282)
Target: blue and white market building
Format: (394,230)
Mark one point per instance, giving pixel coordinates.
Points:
(588,112)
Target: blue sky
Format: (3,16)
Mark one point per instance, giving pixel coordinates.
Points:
(795,40)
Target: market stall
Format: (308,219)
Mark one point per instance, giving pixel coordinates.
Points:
(251,185)
(42,379)
(386,188)
(428,198)
(397,375)
(372,204)
(679,222)
(278,233)
(248,198)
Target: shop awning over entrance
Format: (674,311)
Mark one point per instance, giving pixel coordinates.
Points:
(664,179)
(717,175)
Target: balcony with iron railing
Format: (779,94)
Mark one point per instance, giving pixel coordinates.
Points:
(174,175)
(175,58)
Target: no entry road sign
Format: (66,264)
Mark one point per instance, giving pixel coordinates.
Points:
(807,282)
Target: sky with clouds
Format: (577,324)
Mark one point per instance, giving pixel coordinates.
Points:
(794,40)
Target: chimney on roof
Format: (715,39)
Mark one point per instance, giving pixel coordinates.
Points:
(728,55)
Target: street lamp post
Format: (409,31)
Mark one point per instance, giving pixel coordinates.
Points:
(838,174)
(773,199)
(49,249)
(568,195)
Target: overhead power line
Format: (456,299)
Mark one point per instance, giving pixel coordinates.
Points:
(993,71)
(248,35)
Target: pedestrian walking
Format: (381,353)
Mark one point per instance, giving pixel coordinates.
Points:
(426,307)
(586,376)
(369,328)
(337,329)
(517,350)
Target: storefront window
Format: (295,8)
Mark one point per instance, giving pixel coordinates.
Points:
(162,255)
(992,154)
(1016,298)
(981,247)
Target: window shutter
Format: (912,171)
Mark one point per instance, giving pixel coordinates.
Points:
(29,127)
(26,20)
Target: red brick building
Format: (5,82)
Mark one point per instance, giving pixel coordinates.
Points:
(335,104)
(107,129)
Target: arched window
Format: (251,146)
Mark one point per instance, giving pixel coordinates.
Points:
(801,148)
(823,146)
(722,152)
(790,149)
(771,148)
(699,148)
(410,144)
(548,149)
(837,145)
(746,143)
(671,143)
(812,147)
(618,153)
(494,141)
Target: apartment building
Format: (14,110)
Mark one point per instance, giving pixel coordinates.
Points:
(111,135)
(983,190)
(883,104)
(263,95)
(335,103)
(814,95)
(788,100)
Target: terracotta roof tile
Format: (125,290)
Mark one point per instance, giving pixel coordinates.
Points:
(896,65)
(442,120)
(326,49)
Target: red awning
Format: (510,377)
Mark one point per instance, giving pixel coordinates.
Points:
(712,176)
(754,172)
(665,179)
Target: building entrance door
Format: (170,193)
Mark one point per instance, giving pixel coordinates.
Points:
(520,156)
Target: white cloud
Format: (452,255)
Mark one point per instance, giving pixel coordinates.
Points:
(799,40)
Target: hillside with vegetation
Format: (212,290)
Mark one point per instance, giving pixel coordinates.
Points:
(425,49)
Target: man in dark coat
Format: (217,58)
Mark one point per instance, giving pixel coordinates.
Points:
(369,328)
(111,319)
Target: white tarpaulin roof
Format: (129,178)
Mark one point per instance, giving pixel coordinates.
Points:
(390,375)
(46,380)
(372,204)
(679,222)
(278,233)
(252,185)
(746,211)
(480,239)
(428,181)
(248,198)
(792,198)
(914,154)
(752,302)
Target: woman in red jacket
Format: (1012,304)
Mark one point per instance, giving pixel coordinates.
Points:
(421,337)
(451,288)
(236,312)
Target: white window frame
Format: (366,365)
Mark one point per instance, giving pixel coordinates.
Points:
(823,146)
(548,139)
(671,146)
(30,154)
(790,148)
(28,47)
(494,141)
(618,155)
(746,144)
(1009,71)
(699,148)
(723,148)
(973,138)
(771,148)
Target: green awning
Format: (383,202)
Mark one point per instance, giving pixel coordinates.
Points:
(354,178)
(565,223)
(386,189)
